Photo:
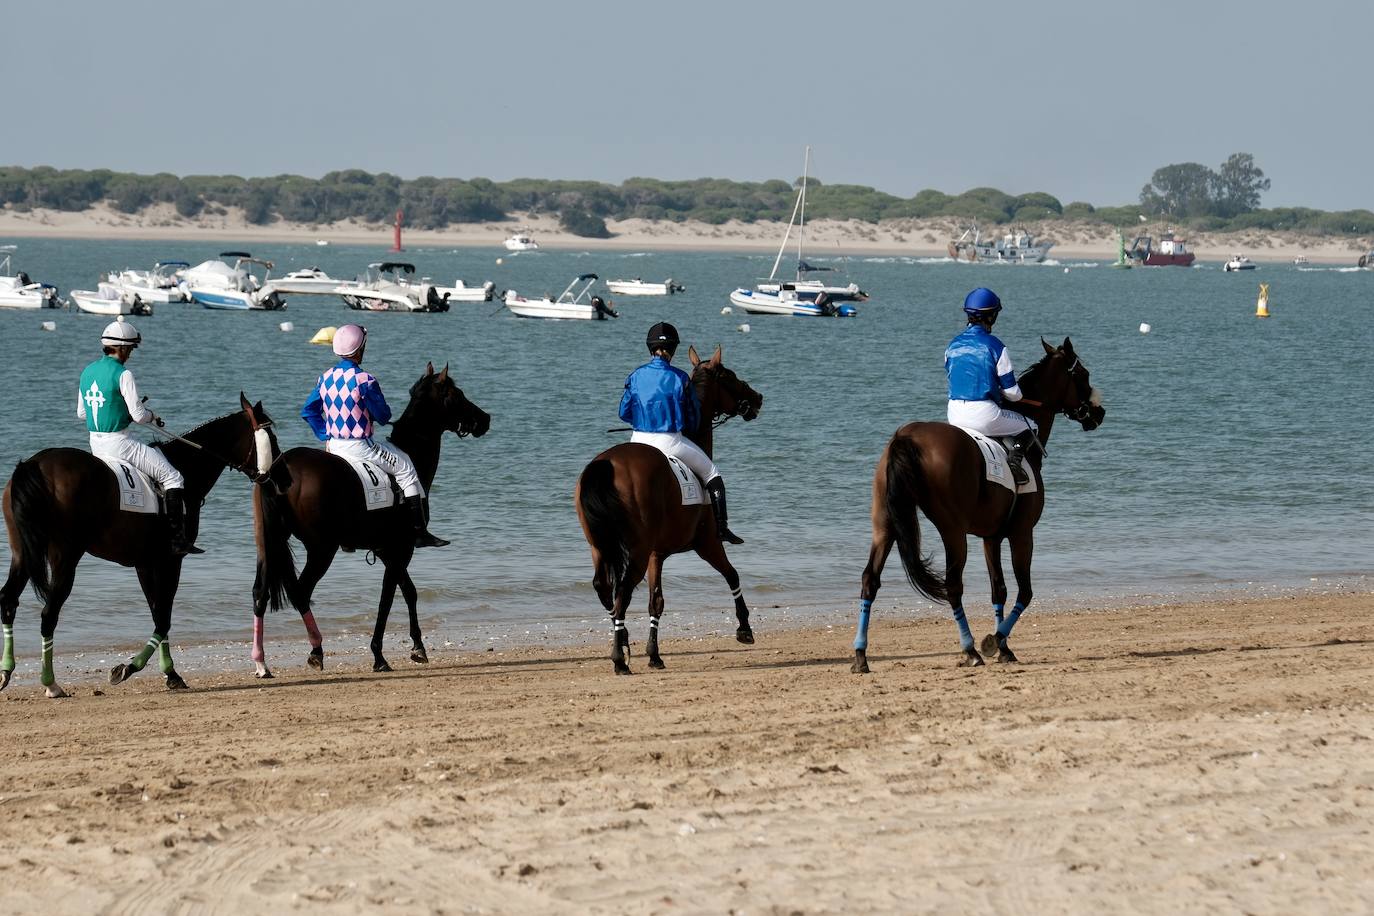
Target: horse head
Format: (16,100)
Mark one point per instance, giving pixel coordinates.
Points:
(722,393)
(1067,386)
(440,404)
(261,456)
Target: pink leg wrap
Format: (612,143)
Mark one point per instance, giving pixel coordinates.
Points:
(258,654)
(308,618)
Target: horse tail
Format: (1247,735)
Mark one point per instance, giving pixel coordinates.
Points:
(607,523)
(274,548)
(33,507)
(905,483)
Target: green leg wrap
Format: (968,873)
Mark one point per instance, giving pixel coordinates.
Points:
(47,679)
(141,659)
(7,662)
(164,659)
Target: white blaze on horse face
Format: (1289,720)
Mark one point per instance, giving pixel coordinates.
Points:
(264,448)
(1095,397)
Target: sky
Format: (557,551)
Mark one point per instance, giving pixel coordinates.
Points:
(1081,99)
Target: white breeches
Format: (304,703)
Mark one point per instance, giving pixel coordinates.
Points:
(150,461)
(385,455)
(988,419)
(683,449)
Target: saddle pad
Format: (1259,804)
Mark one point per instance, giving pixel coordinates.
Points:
(137,493)
(693,494)
(378,492)
(995,461)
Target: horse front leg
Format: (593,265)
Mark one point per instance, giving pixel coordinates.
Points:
(709,547)
(655,609)
(417,645)
(1021,549)
(260,599)
(956,554)
(9,606)
(869,584)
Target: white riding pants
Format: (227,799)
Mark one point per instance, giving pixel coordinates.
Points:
(383,454)
(989,419)
(151,461)
(683,449)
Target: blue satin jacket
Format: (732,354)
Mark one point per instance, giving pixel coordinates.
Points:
(659,399)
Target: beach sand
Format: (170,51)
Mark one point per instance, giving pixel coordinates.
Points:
(1194,758)
(910,237)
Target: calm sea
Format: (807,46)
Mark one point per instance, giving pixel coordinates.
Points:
(1235,453)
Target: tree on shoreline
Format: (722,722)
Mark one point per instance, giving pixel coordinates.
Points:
(1189,189)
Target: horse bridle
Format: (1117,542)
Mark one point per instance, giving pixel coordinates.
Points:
(1083,411)
(717,424)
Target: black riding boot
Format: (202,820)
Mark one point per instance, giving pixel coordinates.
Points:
(176,523)
(419,518)
(716,490)
(1017,447)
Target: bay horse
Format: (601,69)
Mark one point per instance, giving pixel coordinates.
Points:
(630,506)
(318,498)
(938,469)
(63,503)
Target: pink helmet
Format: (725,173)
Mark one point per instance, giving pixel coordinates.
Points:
(349,339)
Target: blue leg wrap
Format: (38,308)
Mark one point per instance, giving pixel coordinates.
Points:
(998,611)
(1004,628)
(861,634)
(965,637)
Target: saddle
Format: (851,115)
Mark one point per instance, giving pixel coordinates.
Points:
(379,488)
(995,463)
(693,492)
(138,492)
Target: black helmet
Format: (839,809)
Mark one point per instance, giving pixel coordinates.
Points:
(662,336)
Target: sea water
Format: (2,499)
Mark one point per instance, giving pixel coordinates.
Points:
(1235,454)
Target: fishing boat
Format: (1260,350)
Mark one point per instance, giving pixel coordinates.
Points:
(161,284)
(216,285)
(521,241)
(110,299)
(18,291)
(310,281)
(387,287)
(1172,251)
(802,296)
(1016,247)
(638,287)
(581,304)
(1238,262)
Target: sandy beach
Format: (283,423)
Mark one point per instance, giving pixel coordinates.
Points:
(1194,758)
(910,237)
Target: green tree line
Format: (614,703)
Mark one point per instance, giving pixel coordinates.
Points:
(1187,194)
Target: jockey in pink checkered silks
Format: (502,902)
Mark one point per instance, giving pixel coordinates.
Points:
(343,409)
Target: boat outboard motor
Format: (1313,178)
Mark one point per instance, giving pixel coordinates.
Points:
(434,303)
(825,305)
(603,310)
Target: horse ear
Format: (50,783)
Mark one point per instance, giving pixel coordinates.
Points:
(692,355)
(243,402)
(443,376)
(715,357)
(1068,347)
(1049,351)
(429,369)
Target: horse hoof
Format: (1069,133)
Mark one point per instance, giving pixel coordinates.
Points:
(380,665)
(119,674)
(419,657)
(263,673)
(174,682)
(54,692)
(971,659)
(657,662)
(315,659)
(745,635)
(622,668)
(989,644)
(860,665)
(5,679)
(1005,655)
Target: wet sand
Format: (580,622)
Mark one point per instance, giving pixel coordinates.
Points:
(1189,758)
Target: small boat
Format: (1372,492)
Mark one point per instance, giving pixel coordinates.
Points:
(1366,260)
(110,299)
(581,304)
(1301,261)
(161,284)
(216,285)
(1238,262)
(1018,247)
(1172,251)
(310,281)
(521,241)
(387,287)
(638,287)
(461,292)
(18,291)
(322,243)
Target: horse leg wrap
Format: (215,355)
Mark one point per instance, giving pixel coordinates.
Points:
(258,654)
(311,630)
(965,636)
(861,634)
(164,657)
(7,661)
(47,678)
(1005,627)
(999,611)
(138,662)
(653,624)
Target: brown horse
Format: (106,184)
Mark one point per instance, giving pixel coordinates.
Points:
(63,503)
(939,469)
(317,497)
(630,506)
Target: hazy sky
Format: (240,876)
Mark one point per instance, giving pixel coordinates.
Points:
(1080,99)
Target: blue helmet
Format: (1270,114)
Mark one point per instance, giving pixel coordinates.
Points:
(982,301)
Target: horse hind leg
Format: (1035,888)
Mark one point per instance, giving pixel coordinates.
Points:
(655,610)
(9,606)
(869,584)
(620,636)
(388,596)
(317,563)
(63,575)
(412,597)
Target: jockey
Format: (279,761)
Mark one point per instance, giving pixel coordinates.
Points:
(107,399)
(981,378)
(660,404)
(342,410)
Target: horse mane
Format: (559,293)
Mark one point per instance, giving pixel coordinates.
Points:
(191,432)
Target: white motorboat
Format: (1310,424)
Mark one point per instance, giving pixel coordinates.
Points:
(216,285)
(1238,262)
(638,287)
(521,241)
(110,299)
(802,297)
(387,287)
(1301,261)
(18,291)
(1018,247)
(581,304)
(310,281)
(161,284)
(461,292)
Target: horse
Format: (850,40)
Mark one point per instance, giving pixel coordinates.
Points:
(63,503)
(630,506)
(317,497)
(938,468)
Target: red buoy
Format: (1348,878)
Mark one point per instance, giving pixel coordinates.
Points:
(400,217)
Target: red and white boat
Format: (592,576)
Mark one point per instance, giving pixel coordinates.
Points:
(1171,252)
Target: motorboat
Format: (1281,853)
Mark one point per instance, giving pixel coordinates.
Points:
(161,284)
(802,296)
(18,291)
(1016,247)
(638,287)
(387,287)
(1238,262)
(1301,261)
(310,281)
(110,299)
(521,241)
(1171,252)
(1366,260)
(216,285)
(461,292)
(581,304)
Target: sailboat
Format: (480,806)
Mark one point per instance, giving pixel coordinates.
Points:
(809,298)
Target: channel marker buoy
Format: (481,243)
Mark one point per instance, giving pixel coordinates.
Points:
(1262,305)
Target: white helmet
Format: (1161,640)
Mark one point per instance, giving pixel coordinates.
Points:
(120,333)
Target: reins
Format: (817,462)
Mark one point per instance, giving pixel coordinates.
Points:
(242,467)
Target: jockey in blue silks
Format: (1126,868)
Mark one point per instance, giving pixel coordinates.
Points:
(660,403)
(981,378)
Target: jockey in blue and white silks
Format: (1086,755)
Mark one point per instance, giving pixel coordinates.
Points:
(343,410)
(660,404)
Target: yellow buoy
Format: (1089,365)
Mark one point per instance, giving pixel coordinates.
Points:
(1262,306)
(324,335)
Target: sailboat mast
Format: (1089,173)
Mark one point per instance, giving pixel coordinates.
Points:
(801,226)
(791,221)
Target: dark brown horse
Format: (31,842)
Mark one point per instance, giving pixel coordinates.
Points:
(317,497)
(939,469)
(63,503)
(630,506)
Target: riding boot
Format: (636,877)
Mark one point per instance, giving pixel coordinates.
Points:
(716,490)
(1017,447)
(176,523)
(419,515)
